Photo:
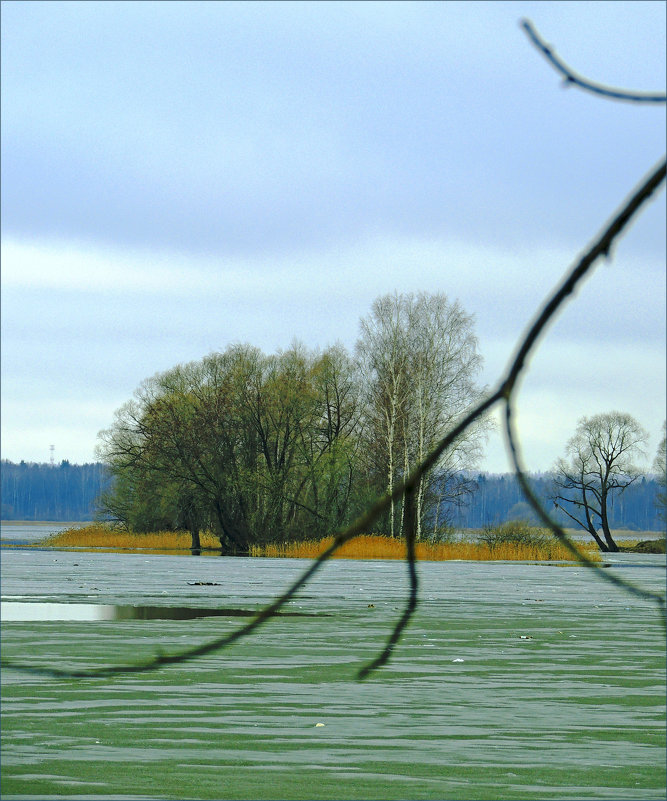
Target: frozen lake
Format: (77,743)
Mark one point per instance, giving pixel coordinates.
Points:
(514,681)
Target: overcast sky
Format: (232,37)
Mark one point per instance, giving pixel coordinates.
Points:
(177,177)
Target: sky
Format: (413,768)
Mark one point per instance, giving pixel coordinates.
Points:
(179,177)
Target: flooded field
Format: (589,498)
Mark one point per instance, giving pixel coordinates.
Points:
(514,681)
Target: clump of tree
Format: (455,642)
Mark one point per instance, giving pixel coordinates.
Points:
(600,464)
(262,448)
(499,498)
(254,447)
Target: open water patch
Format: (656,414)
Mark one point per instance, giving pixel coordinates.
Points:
(20,611)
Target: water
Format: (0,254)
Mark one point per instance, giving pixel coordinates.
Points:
(13,611)
(18,533)
(513,681)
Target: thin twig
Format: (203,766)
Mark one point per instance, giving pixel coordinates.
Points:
(589,86)
(411,605)
(601,247)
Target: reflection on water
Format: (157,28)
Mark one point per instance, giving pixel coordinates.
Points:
(15,611)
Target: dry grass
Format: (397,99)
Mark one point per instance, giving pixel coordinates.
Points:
(378,547)
(364,547)
(100,536)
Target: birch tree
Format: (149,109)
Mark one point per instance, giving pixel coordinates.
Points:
(419,360)
(382,355)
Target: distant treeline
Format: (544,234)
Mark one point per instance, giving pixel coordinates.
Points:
(61,492)
(69,491)
(498,498)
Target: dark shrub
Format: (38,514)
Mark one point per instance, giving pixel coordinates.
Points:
(516,531)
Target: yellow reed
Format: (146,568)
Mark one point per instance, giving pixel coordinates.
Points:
(378,547)
(100,536)
(362,547)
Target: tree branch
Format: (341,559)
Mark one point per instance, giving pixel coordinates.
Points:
(601,247)
(571,77)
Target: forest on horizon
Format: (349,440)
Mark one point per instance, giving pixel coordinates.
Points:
(67,492)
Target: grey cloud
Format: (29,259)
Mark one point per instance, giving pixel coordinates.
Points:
(232,131)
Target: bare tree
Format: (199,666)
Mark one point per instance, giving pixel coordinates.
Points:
(600,465)
(418,355)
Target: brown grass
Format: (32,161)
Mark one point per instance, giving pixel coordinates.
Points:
(378,547)
(100,536)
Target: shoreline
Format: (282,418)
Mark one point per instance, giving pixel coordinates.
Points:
(466,546)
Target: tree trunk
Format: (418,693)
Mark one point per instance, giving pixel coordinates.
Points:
(589,522)
(611,545)
(390,470)
(236,542)
(600,542)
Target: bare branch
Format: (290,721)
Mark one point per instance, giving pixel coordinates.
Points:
(410,538)
(571,77)
(601,247)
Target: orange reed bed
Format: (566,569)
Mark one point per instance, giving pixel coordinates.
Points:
(362,547)
(378,547)
(98,536)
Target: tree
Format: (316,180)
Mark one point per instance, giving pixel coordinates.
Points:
(255,447)
(419,360)
(155,486)
(330,449)
(600,465)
